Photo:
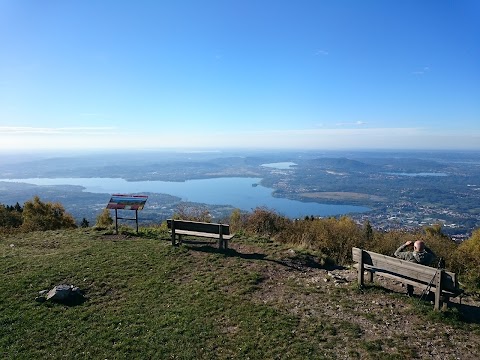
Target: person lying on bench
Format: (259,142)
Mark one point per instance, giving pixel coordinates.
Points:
(421,254)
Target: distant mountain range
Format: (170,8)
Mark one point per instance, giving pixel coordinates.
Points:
(441,187)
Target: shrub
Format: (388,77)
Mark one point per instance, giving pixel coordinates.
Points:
(192,213)
(237,221)
(154,231)
(336,237)
(467,261)
(104,220)
(441,245)
(386,243)
(10,217)
(41,216)
(331,236)
(265,223)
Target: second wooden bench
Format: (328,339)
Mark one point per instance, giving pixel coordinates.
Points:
(443,283)
(221,232)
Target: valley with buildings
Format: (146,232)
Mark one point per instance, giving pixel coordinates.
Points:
(397,190)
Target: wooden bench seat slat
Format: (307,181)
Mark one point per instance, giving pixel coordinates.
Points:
(202,234)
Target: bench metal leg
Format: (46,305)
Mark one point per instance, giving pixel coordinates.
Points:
(370,276)
(445,301)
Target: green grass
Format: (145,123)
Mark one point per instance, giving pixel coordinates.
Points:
(147,299)
(144,297)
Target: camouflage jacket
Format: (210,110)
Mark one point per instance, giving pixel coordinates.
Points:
(424,257)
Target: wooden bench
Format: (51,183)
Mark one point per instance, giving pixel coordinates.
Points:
(443,283)
(201,229)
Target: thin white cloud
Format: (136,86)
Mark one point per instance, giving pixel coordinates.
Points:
(91,115)
(421,72)
(321,53)
(356,123)
(24,130)
(346,131)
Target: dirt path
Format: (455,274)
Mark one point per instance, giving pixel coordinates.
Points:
(382,314)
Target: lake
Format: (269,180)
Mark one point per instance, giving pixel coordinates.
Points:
(242,193)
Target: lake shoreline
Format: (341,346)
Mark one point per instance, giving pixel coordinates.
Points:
(237,192)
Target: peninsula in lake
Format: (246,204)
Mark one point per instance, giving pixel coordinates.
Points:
(390,189)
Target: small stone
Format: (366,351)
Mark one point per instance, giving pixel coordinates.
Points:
(67,294)
(59,292)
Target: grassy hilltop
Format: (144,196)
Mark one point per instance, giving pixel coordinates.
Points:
(258,300)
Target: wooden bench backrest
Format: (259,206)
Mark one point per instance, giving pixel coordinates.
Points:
(199,226)
(409,270)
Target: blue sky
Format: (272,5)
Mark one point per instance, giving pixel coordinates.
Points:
(240,74)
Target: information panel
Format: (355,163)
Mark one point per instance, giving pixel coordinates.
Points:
(127,202)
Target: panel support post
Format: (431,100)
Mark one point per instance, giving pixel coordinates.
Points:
(136,218)
(116,221)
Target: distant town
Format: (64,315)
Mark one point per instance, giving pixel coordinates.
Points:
(402,190)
